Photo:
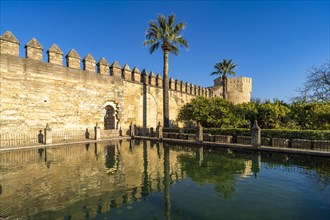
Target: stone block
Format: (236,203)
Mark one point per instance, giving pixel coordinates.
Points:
(55,55)
(89,63)
(127,72)
(266,142)
(321,145)
(223,138)
(173,135)
(115,70)
(182,136)
(34,50)
(301,143)
(208,137)
(171,84)
(145,77)
(244,140)
(159,80)
(103,67)
(9,44)
(280,142)
(73,59)
(152,78)
(191,137)
(136,75)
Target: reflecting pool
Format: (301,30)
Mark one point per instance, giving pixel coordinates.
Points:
(146,180)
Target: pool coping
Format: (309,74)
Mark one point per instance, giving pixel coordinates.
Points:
(6,149)
(240,146)
(179,141)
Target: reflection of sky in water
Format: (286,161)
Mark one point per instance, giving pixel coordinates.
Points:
(149,181)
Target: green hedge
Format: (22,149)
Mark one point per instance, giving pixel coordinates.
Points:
(268,133)
(296,134)
(232,131)
(178,130)
(274,133)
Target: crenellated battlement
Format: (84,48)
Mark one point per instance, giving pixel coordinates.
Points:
(34,49)
(238,89)
(71,91)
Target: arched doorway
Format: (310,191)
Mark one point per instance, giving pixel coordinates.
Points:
(109,118)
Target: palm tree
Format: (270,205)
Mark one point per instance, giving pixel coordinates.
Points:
(165,33)
(223,68)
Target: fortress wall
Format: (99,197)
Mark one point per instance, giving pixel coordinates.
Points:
(239,89)
(34,93)
(134,96)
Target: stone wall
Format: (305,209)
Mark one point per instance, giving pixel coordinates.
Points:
(34,93)
(239,89)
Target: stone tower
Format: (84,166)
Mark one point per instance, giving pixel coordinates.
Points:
(239,89)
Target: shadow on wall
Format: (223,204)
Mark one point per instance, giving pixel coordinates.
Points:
(173,124)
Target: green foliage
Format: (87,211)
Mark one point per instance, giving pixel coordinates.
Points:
(229,131)
(273,133)
(310,115)
(211,112)
(224,67)
(219,113)
(296,134)
(249,111)
(273,115)
(218,169)
(165,33)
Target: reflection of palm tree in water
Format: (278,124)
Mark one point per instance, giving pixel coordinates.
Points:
(145,186)
(167,181)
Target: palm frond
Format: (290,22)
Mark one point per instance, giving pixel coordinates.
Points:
(181,41)
(154,47)
(163,29)
(175,50)
(148,42)
(162,23)
(224,67)
(171,20)
(178,28)
(215,73)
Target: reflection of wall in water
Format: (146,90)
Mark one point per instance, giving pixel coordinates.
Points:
(113,172)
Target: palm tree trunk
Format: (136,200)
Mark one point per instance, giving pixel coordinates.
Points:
(224,87)
(165,90)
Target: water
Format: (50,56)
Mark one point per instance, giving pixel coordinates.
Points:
(143,180)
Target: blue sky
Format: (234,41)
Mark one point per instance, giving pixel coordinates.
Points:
(273,42)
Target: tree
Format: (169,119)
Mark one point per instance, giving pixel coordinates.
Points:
(273,115)
(211,112)
(165,33)
(249,111)
(317,85)
(310,115)
(223,68)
